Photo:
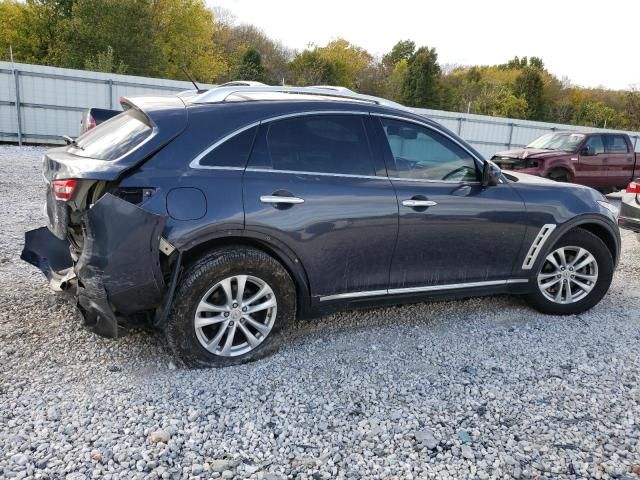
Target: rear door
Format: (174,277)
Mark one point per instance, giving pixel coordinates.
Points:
(593,168)
(312,185)
(620,160)
(453,233)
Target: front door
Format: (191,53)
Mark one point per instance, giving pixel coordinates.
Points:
(592,167)
(452,231)
(311,185)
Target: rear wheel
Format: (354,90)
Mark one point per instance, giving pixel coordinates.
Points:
(232,307)
(574,276)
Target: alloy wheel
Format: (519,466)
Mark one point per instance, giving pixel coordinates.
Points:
(235,315)
(568,274)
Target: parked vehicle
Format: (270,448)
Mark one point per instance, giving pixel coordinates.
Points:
(224,217)
(94,117)
(600,160)
(630,207)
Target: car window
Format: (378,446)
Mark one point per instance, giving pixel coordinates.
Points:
(421,153)
(596,144)
(317,143)
(232,153)
(616,144)
(113,138)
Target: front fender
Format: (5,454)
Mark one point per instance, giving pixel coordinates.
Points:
(587,221)
(547,165)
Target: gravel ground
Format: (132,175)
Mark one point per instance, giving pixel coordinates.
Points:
(482,388)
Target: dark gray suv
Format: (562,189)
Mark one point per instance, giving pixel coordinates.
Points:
(222,217)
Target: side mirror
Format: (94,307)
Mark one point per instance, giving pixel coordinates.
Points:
(491,174)
(586,151)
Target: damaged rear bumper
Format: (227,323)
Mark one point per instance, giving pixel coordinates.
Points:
(118,273)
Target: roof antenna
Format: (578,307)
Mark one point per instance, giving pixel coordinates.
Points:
(198,89)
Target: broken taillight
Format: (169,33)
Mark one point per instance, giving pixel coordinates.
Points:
(633,187)
(63,189)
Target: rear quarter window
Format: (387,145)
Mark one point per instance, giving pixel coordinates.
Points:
(113,138)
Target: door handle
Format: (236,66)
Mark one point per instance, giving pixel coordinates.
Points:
(281,199)
(605,160)
(418,203)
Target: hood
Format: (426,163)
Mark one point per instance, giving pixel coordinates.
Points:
(529,153)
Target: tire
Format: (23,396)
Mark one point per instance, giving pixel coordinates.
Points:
(559,175)
(572,242)
(208,279)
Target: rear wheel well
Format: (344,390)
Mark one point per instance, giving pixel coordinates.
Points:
(603,234)
(297,272)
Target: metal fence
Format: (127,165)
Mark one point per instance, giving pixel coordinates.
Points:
(39,104)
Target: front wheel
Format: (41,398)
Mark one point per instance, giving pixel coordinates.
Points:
(574,276)
(232,307)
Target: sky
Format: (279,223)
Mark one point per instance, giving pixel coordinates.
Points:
(592,43)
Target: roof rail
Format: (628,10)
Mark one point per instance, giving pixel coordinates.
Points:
(257,92)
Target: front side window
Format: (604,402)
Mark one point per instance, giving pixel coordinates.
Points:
(595,145)
(420,153)
(617,144)
(113,138)
(335,144)
(233,152)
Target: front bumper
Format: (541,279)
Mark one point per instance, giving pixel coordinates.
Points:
(629,218)
(118,273)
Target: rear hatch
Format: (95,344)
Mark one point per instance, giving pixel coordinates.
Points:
(75,172)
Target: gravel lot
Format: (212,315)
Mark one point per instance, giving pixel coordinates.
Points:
(482,388)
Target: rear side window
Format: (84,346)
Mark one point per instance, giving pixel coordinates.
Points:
(316,143)
(232,153)
(113,138)
(617,144)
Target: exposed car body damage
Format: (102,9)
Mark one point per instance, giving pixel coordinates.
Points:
(118,272)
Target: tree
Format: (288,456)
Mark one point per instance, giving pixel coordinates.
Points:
(530,87)
(104,62)
(349,61)
(421,86)
(183,32)
(233,41)
(310,68)
(396,80)
(125,26)
(251,67)
(400,51)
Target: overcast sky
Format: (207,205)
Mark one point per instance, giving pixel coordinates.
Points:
(592,43)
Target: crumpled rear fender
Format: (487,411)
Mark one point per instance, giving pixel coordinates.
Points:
(121,254)
(118,272)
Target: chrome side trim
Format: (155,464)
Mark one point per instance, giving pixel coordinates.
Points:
(195,163)
(430,288)
(295,172)
(537,245)
(368,293)
(426,180)
(308,113)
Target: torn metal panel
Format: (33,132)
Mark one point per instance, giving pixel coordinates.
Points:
(121,255)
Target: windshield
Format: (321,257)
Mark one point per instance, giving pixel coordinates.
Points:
(567,142)
(113,138)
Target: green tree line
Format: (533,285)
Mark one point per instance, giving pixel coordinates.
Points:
(160,38)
